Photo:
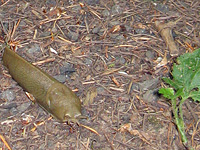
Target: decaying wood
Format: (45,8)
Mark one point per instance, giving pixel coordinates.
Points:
(165,30)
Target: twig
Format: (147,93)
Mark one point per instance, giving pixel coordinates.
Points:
(5,3)
(4,141)
(166,33)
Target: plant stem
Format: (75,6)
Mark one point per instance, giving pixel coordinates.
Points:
(179,120)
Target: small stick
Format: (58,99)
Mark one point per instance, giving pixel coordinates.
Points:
(89,128)
(166,33)
(44,61)
(4,141)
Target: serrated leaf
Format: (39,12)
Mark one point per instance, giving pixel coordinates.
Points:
(186,73)
(182,93)
(186,82)
(170,82)
(167,92)
(195,95)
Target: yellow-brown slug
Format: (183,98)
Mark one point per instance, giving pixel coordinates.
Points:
(51,95)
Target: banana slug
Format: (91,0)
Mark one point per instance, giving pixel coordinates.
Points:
(51,95)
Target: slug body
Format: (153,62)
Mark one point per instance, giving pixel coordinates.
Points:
(51,95)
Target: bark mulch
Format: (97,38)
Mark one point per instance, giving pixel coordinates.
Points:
(113,56)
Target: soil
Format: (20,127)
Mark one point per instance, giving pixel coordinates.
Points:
(110,53)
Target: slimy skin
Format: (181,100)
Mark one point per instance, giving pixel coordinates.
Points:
(51,95)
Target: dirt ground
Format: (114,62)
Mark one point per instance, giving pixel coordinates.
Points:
(111,54)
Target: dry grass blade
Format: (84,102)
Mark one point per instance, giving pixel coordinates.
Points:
(44,61)
(4,141)
(4,3)
(14,29)
(36,125)
(36,14)
(112,70)
(65,40)
(92,11)
(89,128)
(54,19)
(195,132)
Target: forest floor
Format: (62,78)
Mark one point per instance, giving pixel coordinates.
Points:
(113,56)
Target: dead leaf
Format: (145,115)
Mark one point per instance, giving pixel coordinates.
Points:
(55,12)
(125,127)
(30,96)
(163,62)
(91,94)
(142,135)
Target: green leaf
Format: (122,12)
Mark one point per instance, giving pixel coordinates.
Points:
(180,92)
(195,95)
(186,76)
(171,83)
(186,83)
(186,73)
(167,92)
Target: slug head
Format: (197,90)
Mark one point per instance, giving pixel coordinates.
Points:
(63,104)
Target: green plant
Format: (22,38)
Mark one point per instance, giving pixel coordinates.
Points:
(185,84)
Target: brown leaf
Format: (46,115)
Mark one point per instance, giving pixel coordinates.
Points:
(91,94)
(55,12)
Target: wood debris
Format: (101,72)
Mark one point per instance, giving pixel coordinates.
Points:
(165,30)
